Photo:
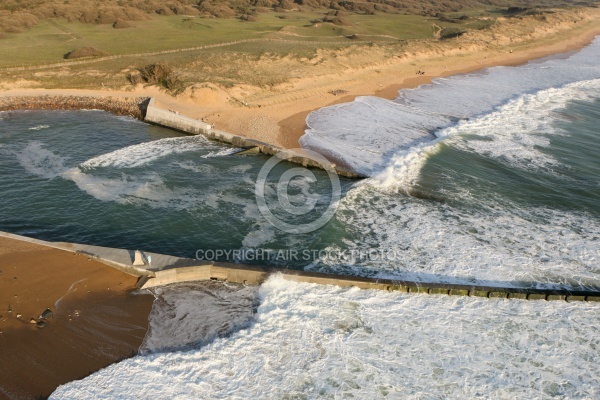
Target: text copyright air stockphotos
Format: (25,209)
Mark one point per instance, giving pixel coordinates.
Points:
(304,210)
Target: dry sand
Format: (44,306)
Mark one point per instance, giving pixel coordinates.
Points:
(277,115)
(96,320)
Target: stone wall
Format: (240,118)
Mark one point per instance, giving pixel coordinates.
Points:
(134,107)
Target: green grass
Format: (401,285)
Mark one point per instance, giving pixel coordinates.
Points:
(50,40)
(288,44)
(399,26)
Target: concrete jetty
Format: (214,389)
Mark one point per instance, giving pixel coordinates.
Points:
(254,275)
(165,270)
(170,119)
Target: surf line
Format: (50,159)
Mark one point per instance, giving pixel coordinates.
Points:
(174,120)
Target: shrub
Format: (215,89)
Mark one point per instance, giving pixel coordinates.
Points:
(248,18)
(85,52)
(120,24)
(157,74)
(452,32)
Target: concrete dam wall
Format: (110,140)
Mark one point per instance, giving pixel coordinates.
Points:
(253,275)
(170,119)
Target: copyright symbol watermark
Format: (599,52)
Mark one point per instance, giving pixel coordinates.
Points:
(299,201)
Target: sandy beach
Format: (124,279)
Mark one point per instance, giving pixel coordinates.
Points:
(277,115)
(96,319)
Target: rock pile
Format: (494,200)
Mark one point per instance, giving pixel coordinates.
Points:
(134,107)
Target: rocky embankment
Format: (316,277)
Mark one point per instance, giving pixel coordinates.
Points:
(134,107)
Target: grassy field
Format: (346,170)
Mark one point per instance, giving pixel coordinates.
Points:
(50,40)
(277,47)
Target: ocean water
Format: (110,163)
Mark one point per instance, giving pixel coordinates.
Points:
(491,177)
(153,188)
(309,341)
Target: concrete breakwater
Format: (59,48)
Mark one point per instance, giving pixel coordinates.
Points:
(170,119)
(165,270)
(253,275)
(131,107)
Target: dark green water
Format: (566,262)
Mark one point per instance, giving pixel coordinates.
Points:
(93,178)
(500,199)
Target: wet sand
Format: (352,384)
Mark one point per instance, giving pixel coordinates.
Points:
(97,319)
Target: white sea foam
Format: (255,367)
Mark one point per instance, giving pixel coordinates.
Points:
(142,189)
(220,153)
(432,241)
(312,341)
(195,167)
(517,131)
(366,133)
(139,188)
(39,127)
(144,153)
(39,161)
(371,133)
(241,168)
(262,234)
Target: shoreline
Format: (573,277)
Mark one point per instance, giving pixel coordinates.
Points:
(90,331)
(391,91)
(22,338)
(279,116)
(96,317)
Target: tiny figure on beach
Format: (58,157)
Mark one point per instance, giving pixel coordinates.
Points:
(149,261)
(212,126)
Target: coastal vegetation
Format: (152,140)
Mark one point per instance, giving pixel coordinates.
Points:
(17,15)
(261,43)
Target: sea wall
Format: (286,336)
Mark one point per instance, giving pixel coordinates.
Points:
(173,120)
(134,107)
(144,108)
(165,270)
(253,275)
